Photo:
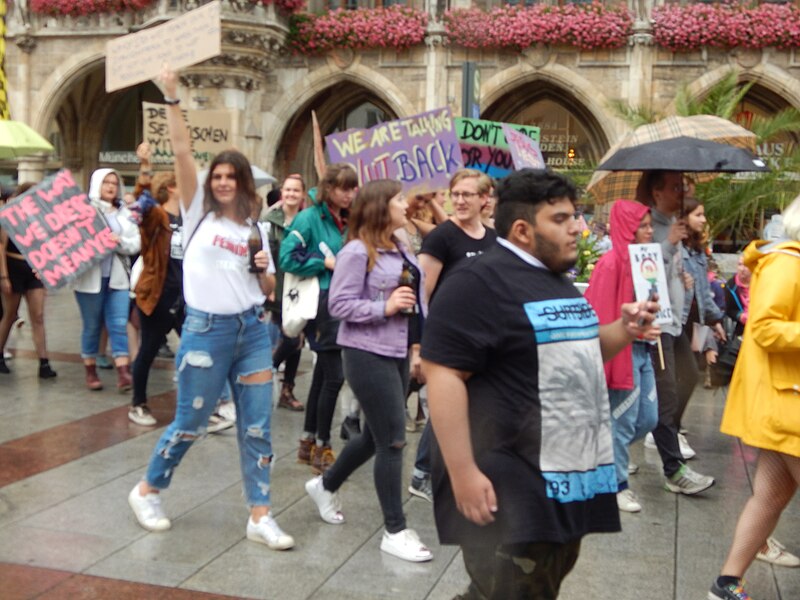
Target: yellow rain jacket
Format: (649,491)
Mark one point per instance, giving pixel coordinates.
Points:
(763,405)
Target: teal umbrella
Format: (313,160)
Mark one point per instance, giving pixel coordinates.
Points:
(18,139)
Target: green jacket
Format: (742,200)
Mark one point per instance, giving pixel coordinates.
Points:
(315,224)
(276,219)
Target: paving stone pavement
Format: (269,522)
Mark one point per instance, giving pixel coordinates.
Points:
(69,458)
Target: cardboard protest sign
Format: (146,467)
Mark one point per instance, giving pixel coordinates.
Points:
(484,146)
(420,151)
(60,234)
(524,150)
(649,275)
(187,40)
(210,131)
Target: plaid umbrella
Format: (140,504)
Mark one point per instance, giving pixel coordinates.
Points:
(610,185)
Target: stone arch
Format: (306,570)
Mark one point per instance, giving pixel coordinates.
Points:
(590,103)
(770,77)
(292,114)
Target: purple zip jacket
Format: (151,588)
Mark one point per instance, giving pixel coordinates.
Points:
(358,299)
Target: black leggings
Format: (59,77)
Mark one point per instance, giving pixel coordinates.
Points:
(379,383)
(288,350)
(153,329)
(325,385)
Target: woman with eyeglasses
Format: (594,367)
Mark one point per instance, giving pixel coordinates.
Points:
(444,250)
(464,236)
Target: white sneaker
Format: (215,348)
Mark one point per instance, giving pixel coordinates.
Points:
(147,510)
(628,502)
(227,410)
(141,416)
(686,449)
(328,503)
(778,555)
(689,482)
(650,441)
(217,423)
(7,355)
(266,531)
(405,544)
(633,468)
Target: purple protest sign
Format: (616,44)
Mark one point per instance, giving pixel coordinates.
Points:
(421,151)
(524,151)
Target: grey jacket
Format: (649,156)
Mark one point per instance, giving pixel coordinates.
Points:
(673,261)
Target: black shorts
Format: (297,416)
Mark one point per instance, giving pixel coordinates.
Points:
(22,276)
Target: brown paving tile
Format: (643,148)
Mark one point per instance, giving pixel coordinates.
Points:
(74,357)
(21,582)
(44,450)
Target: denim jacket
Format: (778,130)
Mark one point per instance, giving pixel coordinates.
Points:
(696,264)
(358,299)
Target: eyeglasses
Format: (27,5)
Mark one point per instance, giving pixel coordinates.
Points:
(464,195)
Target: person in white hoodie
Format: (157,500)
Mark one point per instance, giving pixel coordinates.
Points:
(102,292)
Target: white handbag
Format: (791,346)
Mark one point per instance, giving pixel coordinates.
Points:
(299,302)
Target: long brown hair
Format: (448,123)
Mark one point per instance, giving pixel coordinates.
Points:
(696,240)
(245,186)
(370,220)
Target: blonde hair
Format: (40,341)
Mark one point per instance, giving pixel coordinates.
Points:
(484,182)
(791,220)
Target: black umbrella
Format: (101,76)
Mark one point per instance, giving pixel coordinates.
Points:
(686,154)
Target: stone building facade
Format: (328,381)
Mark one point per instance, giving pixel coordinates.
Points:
(55,68)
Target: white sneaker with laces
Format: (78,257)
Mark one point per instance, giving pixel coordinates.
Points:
(633,468)
(778,555)
(627,501)
(147,510)
(141,416)
(227,410)
(267,531)
(650,441)
(688,482)
(328,503)
(406,545)
(686,449)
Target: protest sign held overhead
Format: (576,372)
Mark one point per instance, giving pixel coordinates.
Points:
(649,276)
(186,40)
(524,150)
(484,146)
(421,151)
(210,132)
(60,234)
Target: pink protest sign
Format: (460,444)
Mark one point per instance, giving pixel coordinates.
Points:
(60,234)
(524,151)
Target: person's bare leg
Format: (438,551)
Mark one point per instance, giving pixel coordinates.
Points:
(10,308)
(35,301)
(773,488)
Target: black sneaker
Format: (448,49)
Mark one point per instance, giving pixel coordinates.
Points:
(3,367)
(732,591)
(351,427)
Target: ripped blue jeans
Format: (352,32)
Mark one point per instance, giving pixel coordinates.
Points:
(216,349)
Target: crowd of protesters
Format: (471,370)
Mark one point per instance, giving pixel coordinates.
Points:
(523,454)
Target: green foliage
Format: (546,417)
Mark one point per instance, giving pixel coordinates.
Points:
(736,206)
(588,255)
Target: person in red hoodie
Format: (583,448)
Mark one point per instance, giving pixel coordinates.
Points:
(629,375)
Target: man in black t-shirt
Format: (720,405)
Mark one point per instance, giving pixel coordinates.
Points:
(513,356)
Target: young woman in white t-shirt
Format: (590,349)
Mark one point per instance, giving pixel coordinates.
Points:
(224,337)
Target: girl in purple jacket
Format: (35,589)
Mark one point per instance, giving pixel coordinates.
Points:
(375,293)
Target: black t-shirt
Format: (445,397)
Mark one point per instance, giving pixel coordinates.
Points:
(538,405)
(449,244)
